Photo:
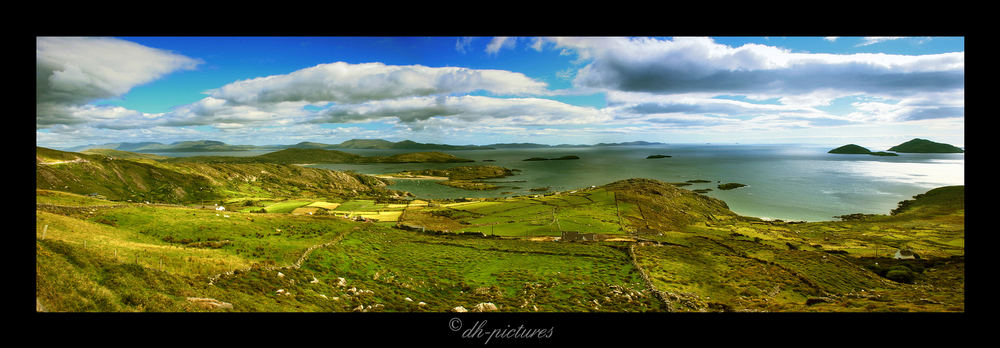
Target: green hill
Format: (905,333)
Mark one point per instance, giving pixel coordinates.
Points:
(365,144)
(851,149)
(925,146)
(178,182)
(124,154)
(301,156)
(417,157)
(401,145)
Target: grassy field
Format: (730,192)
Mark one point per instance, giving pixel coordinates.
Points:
(590,211)
(683,251)
(445,272)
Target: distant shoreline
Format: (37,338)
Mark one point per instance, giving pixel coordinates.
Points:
(412,177)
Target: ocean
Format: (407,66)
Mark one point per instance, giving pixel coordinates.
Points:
(787,182)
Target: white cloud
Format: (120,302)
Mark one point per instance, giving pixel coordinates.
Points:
(71,71)
(688,65)
(871,40)
(468,109)
(500,42)
(353,83)
(462,44)
(831,38)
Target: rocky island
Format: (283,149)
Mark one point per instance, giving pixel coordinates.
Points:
(730,186)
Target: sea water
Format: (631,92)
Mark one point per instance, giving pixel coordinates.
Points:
(788,182)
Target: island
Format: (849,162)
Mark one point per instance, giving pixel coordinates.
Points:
(466,177)
(657,156)
(852,149)
(925,146)
(730,186)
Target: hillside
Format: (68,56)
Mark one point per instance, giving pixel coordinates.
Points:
(417,157)
(124,154)
(120,179)
(401,145)
(180,146)
(661,248)
(925,146)
(299,156)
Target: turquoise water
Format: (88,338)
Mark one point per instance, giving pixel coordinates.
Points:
(788,182)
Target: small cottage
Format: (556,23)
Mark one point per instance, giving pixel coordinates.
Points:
(572,236)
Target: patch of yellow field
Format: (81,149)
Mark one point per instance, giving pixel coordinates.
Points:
(471,205)
(324,205)
(418,203)
(383,216)
(393,206)
(304,211)
(459,204)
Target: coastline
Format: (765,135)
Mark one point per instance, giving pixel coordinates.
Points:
(410,177)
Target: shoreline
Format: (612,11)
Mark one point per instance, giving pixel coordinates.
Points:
(411,177)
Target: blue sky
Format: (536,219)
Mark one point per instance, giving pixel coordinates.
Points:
(875,92)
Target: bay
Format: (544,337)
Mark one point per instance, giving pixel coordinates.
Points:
(790,182)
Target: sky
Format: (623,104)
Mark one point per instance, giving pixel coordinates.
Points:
(872,91)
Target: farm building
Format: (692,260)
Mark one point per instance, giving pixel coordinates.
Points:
(572,236)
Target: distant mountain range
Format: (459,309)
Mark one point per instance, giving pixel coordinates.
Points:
(213,146)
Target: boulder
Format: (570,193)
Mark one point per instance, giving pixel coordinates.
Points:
(486,307)
(209,303)
(459,309)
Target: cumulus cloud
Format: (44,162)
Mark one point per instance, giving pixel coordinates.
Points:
(72,71)
(689,65)
(342,82)
(222,113)
(469,109)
